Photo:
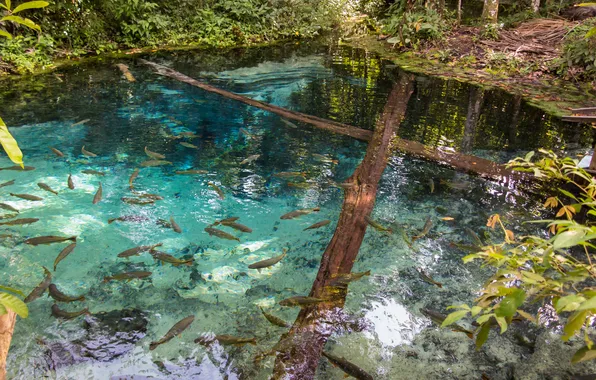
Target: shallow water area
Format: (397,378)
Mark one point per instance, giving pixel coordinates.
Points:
(96,107)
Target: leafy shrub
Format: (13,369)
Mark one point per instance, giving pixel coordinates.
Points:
(24,54)
(410,28)
(579,49)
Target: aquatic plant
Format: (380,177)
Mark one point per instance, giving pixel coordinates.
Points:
(556,270)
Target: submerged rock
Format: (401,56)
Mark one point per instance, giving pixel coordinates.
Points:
(108,335)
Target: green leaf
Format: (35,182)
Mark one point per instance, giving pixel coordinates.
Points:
(462,306)
(9,289)
(15,304)
(23,21)
(583,354)
(454,317)
(588,305)
(482,335)
(393,40)
(567,193)
(529,156)
(591,33)
(10,145)
(569,303)
(531,277)
(4,33)
(508,306)
(471,257)
(574,323)
(476,310)
(30,5)
(502,323)
(568,239)
(3,310)
(8,4)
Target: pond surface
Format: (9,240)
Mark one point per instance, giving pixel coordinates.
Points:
(94,106)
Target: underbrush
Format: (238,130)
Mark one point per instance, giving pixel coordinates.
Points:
(578,58)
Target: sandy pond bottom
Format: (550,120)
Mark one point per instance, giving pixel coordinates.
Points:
(394,340)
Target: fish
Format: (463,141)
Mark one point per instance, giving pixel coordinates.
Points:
(49,239)
(189,145)
(427,226)
(318,225)
(349,368)
(135,201)
(274,320)
(474,236)
(224,340)
(343,185)
(226,220)
(220,234)
(465,248)
(163,223)
(87,153)
(289,174)
(167,258)
(98,194)
(268,262)
(152,163)
(80,122)
(93,172)
(175,225)
(325,159)
(376,225)
(220,193)
(59,313)
(9,216)
(127,276)
(41,288)
(8,207)
(65,252)
(138,250)
(188,135)
(129,218)
(18,222)
(18,168)
(133,176)
(343,279)
(154,155)
(246,133)
(404,235)
(70,182)
(427,278)
(250,159)
(301,185)
(289,123)
(191,171)
(127,74)
(46,188)
(57,295)
(438,319)
(300,301)
(237,226)
(176,330)
(28,197)
(455,185)
(298,213)
(57,152)
(7,183)
(431,184)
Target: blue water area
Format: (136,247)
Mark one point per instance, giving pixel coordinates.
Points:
(93,105)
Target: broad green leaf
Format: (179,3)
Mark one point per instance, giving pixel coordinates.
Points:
(529,156)
(586,5)
(462,306)
(591,33)
(531,276)
(508,306)
(9,289)
(587,305)
(393,40)
(476,310)
(526,315)
(482,335)
(454,317)
(502,323)
(30,5)
(569,303)
(4,33)
(10,145)
(15,304)
(468,258)
(23,21)
(484,318)
(583,354)
(574,323)
(2,310)
(568,239)
(567,193)
(8,4)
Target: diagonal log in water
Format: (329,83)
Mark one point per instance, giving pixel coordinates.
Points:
(459,161)
(300,349)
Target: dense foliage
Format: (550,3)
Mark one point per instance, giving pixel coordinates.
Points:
(579,50)
(555,270)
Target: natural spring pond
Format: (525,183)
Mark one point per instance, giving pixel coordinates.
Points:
(94,106)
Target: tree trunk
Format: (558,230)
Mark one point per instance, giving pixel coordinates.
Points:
(299,350)
(7,322)
(475,100)
(535,5)
(459,13)
(490,12)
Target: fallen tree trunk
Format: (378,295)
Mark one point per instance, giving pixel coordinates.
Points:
(300,349)
(471,164)
(7,323)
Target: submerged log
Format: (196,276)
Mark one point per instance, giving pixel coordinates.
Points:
(299,350)
(7,322)
(458,161)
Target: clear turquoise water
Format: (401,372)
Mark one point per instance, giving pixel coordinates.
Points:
(219,289)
